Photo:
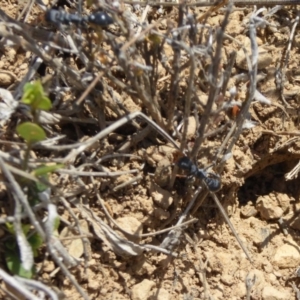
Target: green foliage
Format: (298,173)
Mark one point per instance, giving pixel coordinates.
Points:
(154,39)
(14,264)
(40,187)
(34,188)
(56,224)
(35,242)
(10,228)
(31,132)
(35,97)
(12,255)
(25,228)
(40,171)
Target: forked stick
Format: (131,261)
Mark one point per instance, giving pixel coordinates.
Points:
(83,146)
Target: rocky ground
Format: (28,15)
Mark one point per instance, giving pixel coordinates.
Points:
(260,185)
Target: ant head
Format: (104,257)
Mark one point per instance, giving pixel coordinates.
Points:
(186,164)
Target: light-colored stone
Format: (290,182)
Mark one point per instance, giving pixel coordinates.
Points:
(160,294)
(217,294)
(267,266)
(141,291)
(130,105)
(287,256)
(240,290)
(273,279)
(49,266)
(283,201)
(262,237)
(23,67)
(248,210)
(161,197)
(5,79)
(153,154)
(191,129)
(270,293)
(163,172)
(143,268)
(272,206)
(131,225)
(227,279)
(75,246)
(259,281)
(11,54)
(268,212)
(94,285)
(265,58)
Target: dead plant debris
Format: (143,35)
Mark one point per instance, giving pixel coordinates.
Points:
(132,94)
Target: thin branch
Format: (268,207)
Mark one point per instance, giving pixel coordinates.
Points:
(15,284)
(214,83)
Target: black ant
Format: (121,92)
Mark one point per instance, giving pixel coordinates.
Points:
(61,17)
(212,181)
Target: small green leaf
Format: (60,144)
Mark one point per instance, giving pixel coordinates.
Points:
(31,132)
(10,228)
(56,224)
(40,187)
(34,190)
(45,104)
(35,242)
(11,243)
(14,264)
(26,228)
(46,169)
(34,201)
(35,97)
(155,39)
